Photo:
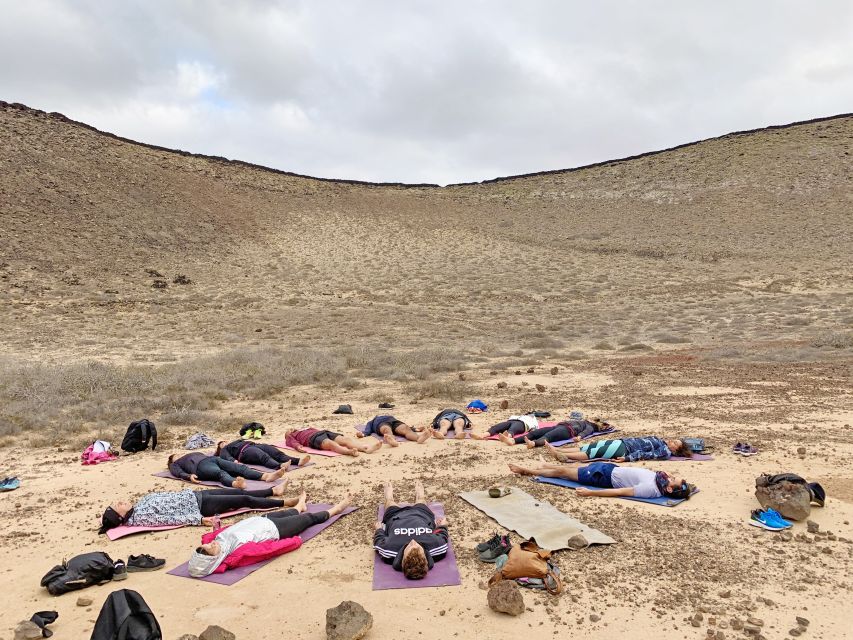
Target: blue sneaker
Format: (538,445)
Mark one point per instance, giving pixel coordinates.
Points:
(759,518)
(777,519)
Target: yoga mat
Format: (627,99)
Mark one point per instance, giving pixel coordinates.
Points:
(444,573)
(663,501)
(309,450)
(560,443)
(251,485)
(532,518)
(233,576)
(120,532)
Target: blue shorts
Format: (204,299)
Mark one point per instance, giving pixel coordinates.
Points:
(597,474)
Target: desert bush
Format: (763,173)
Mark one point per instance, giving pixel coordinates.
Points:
(443,389)
(543,342)
(834,339)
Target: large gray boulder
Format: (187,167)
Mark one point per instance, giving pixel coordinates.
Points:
(505,597)
(348,621)
(792,500)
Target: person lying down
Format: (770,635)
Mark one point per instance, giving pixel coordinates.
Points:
(571,430)
(612,480)
(272,526)
(188,507)
(322,439)
(386,427)
(409,537)
(263,455)
(624,450)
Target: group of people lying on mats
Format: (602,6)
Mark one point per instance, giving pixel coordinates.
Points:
(408,537)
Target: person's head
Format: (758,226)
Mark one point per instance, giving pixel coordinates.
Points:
(115,515)
(415,565)
(679,447)
(673,487)
(209,549)
(203,560)
(171,458)
(219,446)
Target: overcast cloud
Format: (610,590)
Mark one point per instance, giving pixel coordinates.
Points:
(427,91)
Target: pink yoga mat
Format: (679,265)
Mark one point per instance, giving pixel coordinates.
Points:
(251,485)
(444,573)
(235,575)
(309,450)
(121,532)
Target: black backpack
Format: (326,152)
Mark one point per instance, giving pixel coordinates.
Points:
(138,435)
(126,616)
(817,492)
(78,573)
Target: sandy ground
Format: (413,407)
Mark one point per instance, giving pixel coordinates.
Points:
(667,563)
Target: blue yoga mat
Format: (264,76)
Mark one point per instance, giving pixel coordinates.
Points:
(563,482)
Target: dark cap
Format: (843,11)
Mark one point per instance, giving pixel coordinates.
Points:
(110,520)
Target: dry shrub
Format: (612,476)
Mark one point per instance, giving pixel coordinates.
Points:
(544,342)
(443,389)
(834,339)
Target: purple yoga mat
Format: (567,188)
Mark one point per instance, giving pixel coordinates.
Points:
(233,576)
(251,485)
(697,457)
(444,573)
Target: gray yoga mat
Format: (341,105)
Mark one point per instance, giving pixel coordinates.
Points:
(532,518)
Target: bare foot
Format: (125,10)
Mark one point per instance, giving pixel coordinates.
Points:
(478,436)
(506,439)
(388,488)
(239,483)
(302,504)
(352,452)
(520,470)
(285,466)
(460,435)
(278,490)
(273,476)
(529,443)
(390,440)
(437,434)
(304,461)
(559,457)
(343,504)
(374,447)
(425,435)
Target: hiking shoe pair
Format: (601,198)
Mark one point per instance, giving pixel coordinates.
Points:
(144,562)
(257,434)
(494,548)
(769,519)
(744,449)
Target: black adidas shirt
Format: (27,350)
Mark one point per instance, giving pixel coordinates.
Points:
(403,524)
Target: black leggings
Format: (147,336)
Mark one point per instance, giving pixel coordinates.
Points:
(545,434)
(215,469)
(513,427)
(291,523)
(216,501)
(265,455)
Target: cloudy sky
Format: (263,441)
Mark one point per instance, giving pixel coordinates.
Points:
(427,90)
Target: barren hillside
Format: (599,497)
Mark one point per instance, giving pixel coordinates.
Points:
(740,238)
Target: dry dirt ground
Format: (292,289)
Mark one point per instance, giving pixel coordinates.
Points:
(702,291)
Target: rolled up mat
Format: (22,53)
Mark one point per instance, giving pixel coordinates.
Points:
(663,501)
(233,576)
(444,573)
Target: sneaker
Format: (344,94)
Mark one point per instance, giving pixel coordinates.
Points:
(759,518)
(488,544)
(777,519)
(738,448)
(119,570)
(748,450)
(258,434)
(144,562)
(499,548)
